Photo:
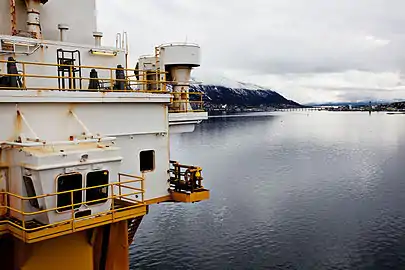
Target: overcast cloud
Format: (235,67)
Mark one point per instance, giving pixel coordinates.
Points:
(307,50)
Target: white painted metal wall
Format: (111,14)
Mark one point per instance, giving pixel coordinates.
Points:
(47,53)
(44,166)
(5,16)
(156,184)
(52,122)
(139,122)
(180,54)
(78,14)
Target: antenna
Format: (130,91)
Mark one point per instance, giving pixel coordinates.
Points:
(123,40)
(95,14)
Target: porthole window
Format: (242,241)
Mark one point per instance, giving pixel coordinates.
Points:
(69,182)
(99,194)
(147,160)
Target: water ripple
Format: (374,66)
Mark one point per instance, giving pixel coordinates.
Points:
(323,191)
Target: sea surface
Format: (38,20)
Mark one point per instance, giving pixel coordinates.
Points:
(294,190)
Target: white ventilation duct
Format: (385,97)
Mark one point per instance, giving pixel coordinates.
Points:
(178,60)
(97,38)
(63,28)
(33,17)
(181,77)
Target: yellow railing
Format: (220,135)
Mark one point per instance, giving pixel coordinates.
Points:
(107,80)
(185,177)
(193,103)
(120,201)
(135,80)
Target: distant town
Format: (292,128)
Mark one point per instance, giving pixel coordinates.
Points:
(371,107)
(388,107)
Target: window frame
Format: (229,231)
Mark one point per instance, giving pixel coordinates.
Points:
(153,161)
(61,211)
(85,191)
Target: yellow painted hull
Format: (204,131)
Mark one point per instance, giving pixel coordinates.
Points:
(100,248)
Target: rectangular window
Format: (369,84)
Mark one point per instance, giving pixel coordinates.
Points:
(29,187)
(94,179)
(147,160)
(69,182)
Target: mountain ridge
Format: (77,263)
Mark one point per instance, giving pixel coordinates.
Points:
(231,95)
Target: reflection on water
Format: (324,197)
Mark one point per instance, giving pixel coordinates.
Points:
(288,191)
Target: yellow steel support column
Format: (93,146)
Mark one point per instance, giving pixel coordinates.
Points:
(105,248)
(118,248)
(111,249)
(6,251)
(68,252)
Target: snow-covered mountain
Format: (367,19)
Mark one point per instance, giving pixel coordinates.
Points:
(226,82)
(233,94)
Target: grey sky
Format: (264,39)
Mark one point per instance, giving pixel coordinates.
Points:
(308,50)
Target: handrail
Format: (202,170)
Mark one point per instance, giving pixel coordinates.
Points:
(185,177)
(115,84)
(73,66)
(106,81)
(193,103)
(178,44)
(120,182)
(22,224)
(138,179)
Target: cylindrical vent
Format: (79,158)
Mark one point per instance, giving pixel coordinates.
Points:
(181,83)
(63,28)
(33,18)
(97,38)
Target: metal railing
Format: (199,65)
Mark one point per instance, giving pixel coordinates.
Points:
(104,79)
(193,102)
(106,82)
(184,177)
(120,201)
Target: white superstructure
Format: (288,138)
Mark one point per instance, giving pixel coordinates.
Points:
(75,117)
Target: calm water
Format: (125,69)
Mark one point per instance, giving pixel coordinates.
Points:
(289,191)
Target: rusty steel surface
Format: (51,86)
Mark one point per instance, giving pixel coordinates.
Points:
(13,18)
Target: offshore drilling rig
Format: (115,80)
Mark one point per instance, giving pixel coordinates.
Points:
(84,143)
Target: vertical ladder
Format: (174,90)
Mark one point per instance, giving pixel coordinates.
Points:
(69,69)
(159,76)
